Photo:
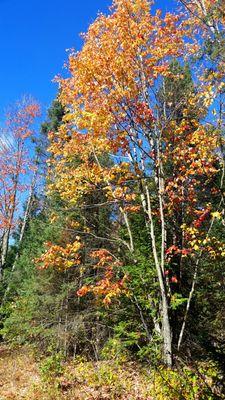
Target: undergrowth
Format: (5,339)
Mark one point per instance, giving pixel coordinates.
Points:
(22,376)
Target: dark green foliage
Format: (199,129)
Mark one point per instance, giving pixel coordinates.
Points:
(54,119)
(42,307)
(55,115)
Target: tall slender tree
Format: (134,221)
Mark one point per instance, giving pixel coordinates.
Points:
(15,162)
(161,153)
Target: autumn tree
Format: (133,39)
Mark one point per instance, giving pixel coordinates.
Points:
(161,154)
(15,163)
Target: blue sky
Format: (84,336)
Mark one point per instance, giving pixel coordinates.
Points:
(34,37)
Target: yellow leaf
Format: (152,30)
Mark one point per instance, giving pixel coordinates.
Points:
(216,214)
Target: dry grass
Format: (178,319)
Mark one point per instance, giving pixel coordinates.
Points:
(22,377)
(18,373)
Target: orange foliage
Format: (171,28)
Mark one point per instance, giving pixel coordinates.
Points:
(109,286)
(112,109)
(60,258)
(14,159)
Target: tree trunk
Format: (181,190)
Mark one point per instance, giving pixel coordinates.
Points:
(166,334)
(4,250)
(164,311)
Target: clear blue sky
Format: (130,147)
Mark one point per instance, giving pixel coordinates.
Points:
(34,36)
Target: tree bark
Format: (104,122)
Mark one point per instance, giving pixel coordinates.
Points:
(166,328)
(4,250)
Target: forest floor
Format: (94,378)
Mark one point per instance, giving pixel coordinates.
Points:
(23,377)
(18,374)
